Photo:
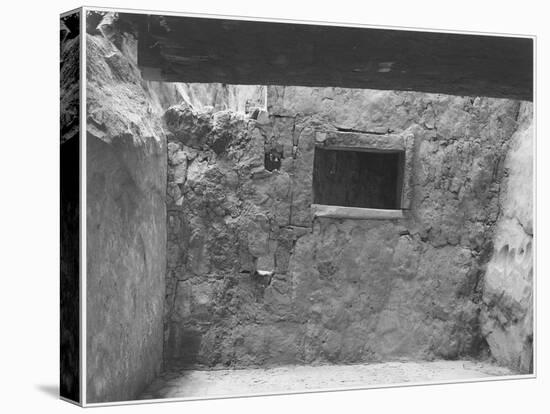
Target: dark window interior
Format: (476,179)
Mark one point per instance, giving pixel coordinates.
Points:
(368,179)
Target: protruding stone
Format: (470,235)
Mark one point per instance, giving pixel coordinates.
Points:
(262,118)
(260,172)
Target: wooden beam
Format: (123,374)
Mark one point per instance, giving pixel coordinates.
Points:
(356,213)
(190,49)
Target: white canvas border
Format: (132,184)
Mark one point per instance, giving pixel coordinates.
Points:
(83,205)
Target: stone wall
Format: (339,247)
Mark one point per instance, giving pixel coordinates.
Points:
(126,205)
(254,279)
(126,218)
(508,294)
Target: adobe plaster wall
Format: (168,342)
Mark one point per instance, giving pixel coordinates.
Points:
(126,218)
(508,291)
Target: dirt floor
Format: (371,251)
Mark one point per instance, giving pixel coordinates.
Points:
(233,382)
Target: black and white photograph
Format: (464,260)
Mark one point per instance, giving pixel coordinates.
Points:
(270,207)
(247,207)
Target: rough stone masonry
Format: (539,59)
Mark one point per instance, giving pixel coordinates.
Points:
(254,279)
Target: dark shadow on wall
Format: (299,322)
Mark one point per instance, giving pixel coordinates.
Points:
(184,345)
(371,178)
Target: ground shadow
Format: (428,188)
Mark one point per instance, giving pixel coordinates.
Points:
(51,390)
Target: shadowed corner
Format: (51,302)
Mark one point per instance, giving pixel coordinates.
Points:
(51,390)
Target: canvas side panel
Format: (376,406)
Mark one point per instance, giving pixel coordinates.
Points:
(70,206)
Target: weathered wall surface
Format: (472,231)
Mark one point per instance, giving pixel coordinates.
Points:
(508,294)
(341,290)
(126,213)
(209,96)
(126,218)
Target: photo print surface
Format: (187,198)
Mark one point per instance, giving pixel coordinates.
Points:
(276,208)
